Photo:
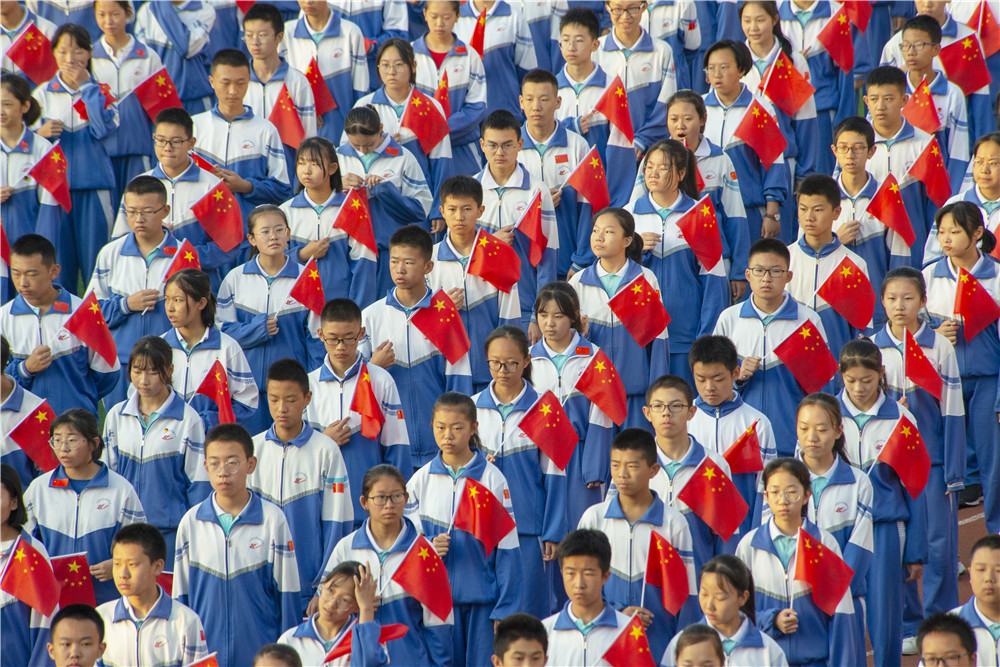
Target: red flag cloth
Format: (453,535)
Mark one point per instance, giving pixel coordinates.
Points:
(29,577)
(73,573)
(109,99)
(666,569)
(590,181)
(984,22)
(423,576)
(32,436)
(919,369)
(530,225)
(424,120)
(547,425)
(285,119)
(631,648)
(974,304)
(216,387)
(207,661)
(442,325)
(480,512)
(321,91)
(202,162)
(743,456)
(478,41)
(807,357)
(87,323)
(929,169)
(51,174)
(601,384)
(614,105)
(186,257)
(641,310)
(824,570)
(785,86)
(32,52)
(700,228)
(385,635)
(366,404)
(712,496)
(495,262)
(219,213)
(887,207)
(760,131)
(441,95)
(245,5)
(699,182)
(850,293)
(355,219)
(837,40)
(921,111)
(859,12)
(166,581)
(157,93)
(906,453)
(964,65)
(308,288)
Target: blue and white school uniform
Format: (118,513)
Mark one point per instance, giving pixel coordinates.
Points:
(192,364)
(429,639)
(170,634)
(247,299)
(161,456)
(78,377)
(985,630)
(596,287)
(401,198)
(73,516)
(61,12)
(820,639)
(306,641)
(556,10)
(949,103)
(539,491)
(339,52)
(483,587)
(179,35)
(8,37)
(989,209)
(306,477)
(379,21)
(332,398)
(676,23)
(466,97)
(627,585)
(17,407)
(227,31)
(421,372)
(747,646)
(25,631)
(571,642)
(543,24)
(262,96)
(242,581)
(29,206)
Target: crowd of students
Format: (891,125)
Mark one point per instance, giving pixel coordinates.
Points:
(286,502)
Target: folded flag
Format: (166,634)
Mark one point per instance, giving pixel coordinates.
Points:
(366,404)
(713,497)
(984,22)
(441,324)
(918,368)
(441,95)
(479,34)
(109,99)
(906,453)
(321,91)
(547,425)
(87,323)
(887,207)
(641,310)
(743,456)
(827,573)
(530,225)
(308,288)
(807,357)
(216,387)
(385,635)
(666,569)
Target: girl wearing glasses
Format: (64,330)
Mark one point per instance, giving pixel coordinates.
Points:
(381,544)
(79,506)
(785,607)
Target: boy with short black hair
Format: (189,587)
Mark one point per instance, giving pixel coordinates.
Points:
(77,636)
(945,638)
(982,611)
(520,640)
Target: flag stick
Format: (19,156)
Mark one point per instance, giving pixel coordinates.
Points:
(905,332)
(642,596)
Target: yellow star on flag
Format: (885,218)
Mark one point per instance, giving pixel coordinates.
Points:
(636,632)
(705,210)
(600,366)
(439,305)
(805,333)
(905,431)
(846,271)
(42,417)
(709,473)
(314,274)
(19,556)
(74,567)
(473,492)
(161,80)
(546,409)
(217,195)
(595,162)
(967,43)
(424,553)
(188,256)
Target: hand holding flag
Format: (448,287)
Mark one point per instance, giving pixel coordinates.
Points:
(216,387)
(712,496)
(918,368)
(906,453)
(548,426)
(308,288)
(422,574)
(530,225)
(827,573)
(441,95)
(87,323)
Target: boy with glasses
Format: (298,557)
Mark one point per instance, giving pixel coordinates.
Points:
(982,611)
(946,640)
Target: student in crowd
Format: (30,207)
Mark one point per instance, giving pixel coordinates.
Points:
(379,22)
(277,655)
(77,637)
(16,19)
(18,404)
(982,610)
(699,645)
(947,637)
(520,639)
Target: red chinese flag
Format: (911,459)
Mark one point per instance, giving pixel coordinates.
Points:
(601,384)
(919,369)
(530,225)
(965,66)
(743,456)
(666,570)
(29,577)
(700,228)
(385,635)
(355,219)
(208,661)
(712,496)
(186,257)
(202,162)
(887,207)
(479,34)
(157,93)
(366,404)
(785,86)
(614,105)
(641,310)
(859,12)
(760,131)
(547,425)
(219,213)
(590,181)
(245,5)
(109,99)
(984,22)
(87,323)
(906,453)
(920,110)
(495,262)
(974,304)
(929,169)
(216,387)
(73,573)
(807,357)
(321,91)
(32,436)
(480,512)
(824,570)
(441,95)
(32,52)
(442,325)
(698,180)
(166,581)
(837,40)
(423,576)
(424,120)
(308,288)
(285,118)
(51,174)
(850,293)
(631,648)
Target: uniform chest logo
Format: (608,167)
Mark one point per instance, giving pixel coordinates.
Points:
(256,543)
(248,144)
(103,503)
(840,507)
(160,641)
(300,478)
(337,53)
(646,67)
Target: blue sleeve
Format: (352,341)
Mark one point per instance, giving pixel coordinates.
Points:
(776,182)
(102,121)
(440,647)
(242,413)
(954,452)
(197,492)
(736,235)
(170,22)
(545,272)
(596,452)
(464,123)
(441,170)
(728,26)
(399,456)
(290,604)
(365,649)
(859,558)
(250,333)
(807,140)
(714,300)
(268,190)
(621,173)
(765,622)
(554,513)
(362,290)
(113,311)
(210,255)
(460,382)
(507,568)
(659,356)
(654,127)
(843,637)
(915,549)
(981,119)
(16,369)
(583,256)
(956,170)
(105,382)
(403,210)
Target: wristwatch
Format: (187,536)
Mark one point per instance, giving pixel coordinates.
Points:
(776,217)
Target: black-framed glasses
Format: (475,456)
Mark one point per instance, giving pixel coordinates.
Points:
(505,366)
(674,408)
(346,340)
(380,501)
(134,214)
(946,661)
(758,272)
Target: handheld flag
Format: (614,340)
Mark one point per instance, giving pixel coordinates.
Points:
(157,93)
(614,105)
(219,214)
(51,172)
(32,436)
(308,288)
(530,225)
(700,228)
(984,22)
(208,661)
(495,262)
(442,325)
(590,181)
(166,581)
(785,86)
(859,12)
(355,219)
(631,648)
(929,169)
(424,120)
(109,99)
(202,162)
(441,95)
(743,456)
(807,357)
(698,180)
(385,635)
(601,384)
(216,387)
(74,574)
(761,132)
(906,453)
(850,293)
(837,40)
(887,207)
(32,53)
(321,91)
(366,404)
(87,323)
(641,310)
(974,304)
(920,370)
(186,257)
(480,512)
(548,426)
(964,65)
(422,574)
(479,34)
(712,496)
(827,573)
(921,111)
(666,569)
(29,577)
(285,118)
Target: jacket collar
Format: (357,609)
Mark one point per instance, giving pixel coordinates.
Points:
(393,302)
(683,203)
(61,479)
(298,441)
(825,251)
(380,97)
(289,270)
(473,468)
(598,78)
(969,613)
(213,341)
(191,175)
(607,618)
(172,408)
(389,147)
(459,48)
(653,515)
(167,247)
(246,115)
(819,9)
(408,534)
(580,345)
(523,404)
(16,398)
(762,538)
(631,271)
(161,608)
(888,410)
(747,635)
(558,137)
(57,85)
(985,268)
(789,310)
(868,191)
(924,337)
(280,74)
(326,373)
(300,200)
(24,144)
(332,29)
(63,305)
(725,408)
(644,43)
(520,179)
(905,132)
(253,513)
(501,8)
(744,99)
(136,50)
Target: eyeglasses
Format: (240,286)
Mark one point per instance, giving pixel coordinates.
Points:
(758,272)
(986,165)
(335,342)
(268,232)
(231,467)
(673,408)
(380,501)
(251,37)
(792,495)
(134,214)
(505,366)
(70,444)
(721,69)
(947,661)
(392,67)
(503,148)
(631,11)
(916,47)
(858,149)
(576,42)
(176,144)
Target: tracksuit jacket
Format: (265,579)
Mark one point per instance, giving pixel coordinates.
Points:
(379,21)
(29,206)
(973,194)
(25,631)
(569,646)
(261,98)
(753,647)
(15,409)
(987,647)
(365,649)
(170,635)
